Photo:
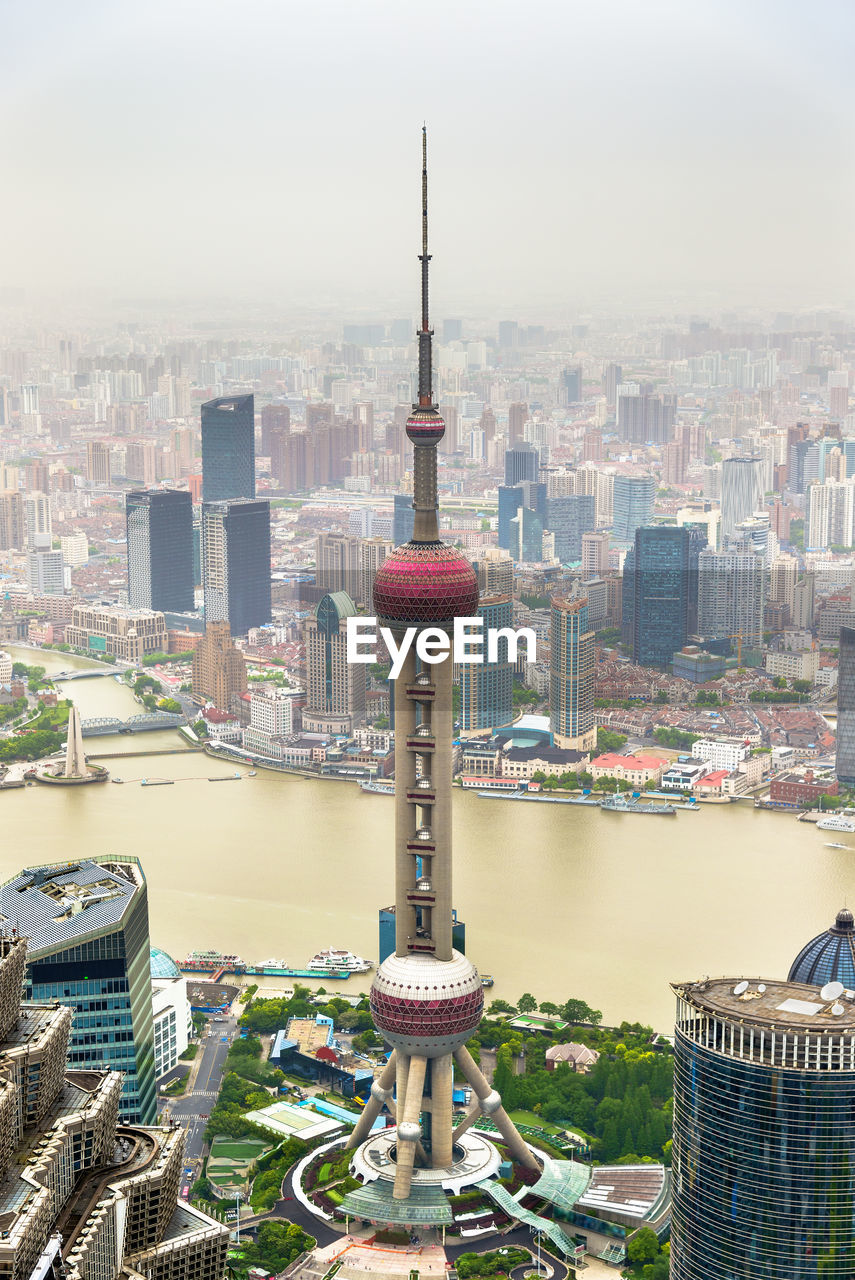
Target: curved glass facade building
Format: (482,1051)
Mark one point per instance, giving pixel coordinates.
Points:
(830,957)
(764,1133)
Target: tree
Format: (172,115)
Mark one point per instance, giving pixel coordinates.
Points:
(169,704)
(578,1011)
(527,1003)
(498,1007)
(661,698)
(549,1009)
(608,740)
(643,1247)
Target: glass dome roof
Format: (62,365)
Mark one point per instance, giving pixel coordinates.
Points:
(162,965)
(830,957)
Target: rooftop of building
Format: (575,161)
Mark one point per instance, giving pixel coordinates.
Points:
(713,779)
(612,759)
(162,965)
(558,755)
(830,956)
(770,1002)
(55,905)
(632,1189)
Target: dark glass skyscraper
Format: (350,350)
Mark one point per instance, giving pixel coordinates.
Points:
(228,448)
(846,707)
(522,462)
(236,563)
(660,580)
(87,925)
(510,500)
(764,1130)
(160,549)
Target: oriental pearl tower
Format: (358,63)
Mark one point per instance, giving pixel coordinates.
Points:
(426,998)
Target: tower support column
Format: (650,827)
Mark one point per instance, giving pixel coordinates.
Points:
(409,1130)
(442,1135)
(381,1092)
(491,1105)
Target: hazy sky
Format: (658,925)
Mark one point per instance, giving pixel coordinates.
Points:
(616,150)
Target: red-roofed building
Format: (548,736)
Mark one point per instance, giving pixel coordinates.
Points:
(711,784)
(221,726)
(636,770)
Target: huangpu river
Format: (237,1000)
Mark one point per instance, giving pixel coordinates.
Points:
(558,901)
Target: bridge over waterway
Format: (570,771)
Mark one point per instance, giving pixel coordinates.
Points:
(86,673)
(136,724)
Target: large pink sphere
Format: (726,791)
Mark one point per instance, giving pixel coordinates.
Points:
(426,1006)
(425,584)
(425,426)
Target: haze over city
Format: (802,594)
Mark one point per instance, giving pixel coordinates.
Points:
(617,155)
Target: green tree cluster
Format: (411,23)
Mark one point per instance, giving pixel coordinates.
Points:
(495,1262)
(278,1245)
(608,740)
(674,738)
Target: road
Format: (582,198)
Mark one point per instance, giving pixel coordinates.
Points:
(192,1110)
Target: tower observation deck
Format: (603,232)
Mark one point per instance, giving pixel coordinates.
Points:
(426,998)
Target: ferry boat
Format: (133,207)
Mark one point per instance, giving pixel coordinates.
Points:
(328,960)
(622,804)
(487,979)
(378,788)
(836,822)
(213,960)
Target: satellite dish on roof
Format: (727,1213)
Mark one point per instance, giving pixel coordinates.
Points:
(831,991)
(837,1009)
(740,988)
(761,986)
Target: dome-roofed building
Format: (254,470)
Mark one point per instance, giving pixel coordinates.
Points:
(829,957)
(162,965)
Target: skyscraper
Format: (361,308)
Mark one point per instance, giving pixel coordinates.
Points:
(741,492)
(98,462)
(845,766)
(335,688)
(571,675)
(275,418)
(403,516)
(764,1129)
(219,668)
(517,418)
(87,925)
(661,587)
(570,385)
(46,572)
(730,600)
(522,462)
(426,998)
(12,527)
(160,549)
(487,688)
(337,563)
(511,498)
(372,553)
(236,563)
(633,505)
(525,541)
(595,554)
(228,448)
(569,519)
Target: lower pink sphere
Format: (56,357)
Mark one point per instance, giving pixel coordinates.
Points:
(426,1006)
(425,584)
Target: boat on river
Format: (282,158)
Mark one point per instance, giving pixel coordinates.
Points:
(628,804)
(338,961)
(836,822)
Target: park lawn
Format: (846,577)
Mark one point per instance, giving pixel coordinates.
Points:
(250,1150)
(530,1117)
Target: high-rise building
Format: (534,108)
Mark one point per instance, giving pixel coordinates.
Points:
(612,378)
(228,448)
(783,577)
(452,330)
(487,688)
(97,462)
(661,589)
(63,1216)
(402,519)
(236,563)
(495,572)
(128,634)
(522,462)
(838,393)
(451,439)
(570,385)
(730,601)
(335,688)
(569,519)
(518,416)
(845,766)
(37,521)
(642,416)
(633,505)
(46,572)
(426,998)
(372,553)
(741,492)
(830,514)
(274,418)
(12,521)
(87,929)
(270,721)
(160,549)
(525,541)
(337,563)
(571,675)
(764,1128)
(595,554)
(511,498)
(219,668)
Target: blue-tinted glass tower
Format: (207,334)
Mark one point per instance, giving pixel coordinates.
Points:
(830,957)
(522,462)
(228,448)
(632,506)
(510,500)
(764,1130)
(87,924)
(236,563)
(487,688)
(160,549)
(403,518)
(661,582)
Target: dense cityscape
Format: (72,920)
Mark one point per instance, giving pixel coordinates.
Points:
(582,1045)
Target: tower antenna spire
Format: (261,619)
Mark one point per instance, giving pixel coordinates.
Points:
(425,332)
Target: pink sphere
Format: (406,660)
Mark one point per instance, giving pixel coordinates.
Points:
(425,584)
(425,426)
(427,1006)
